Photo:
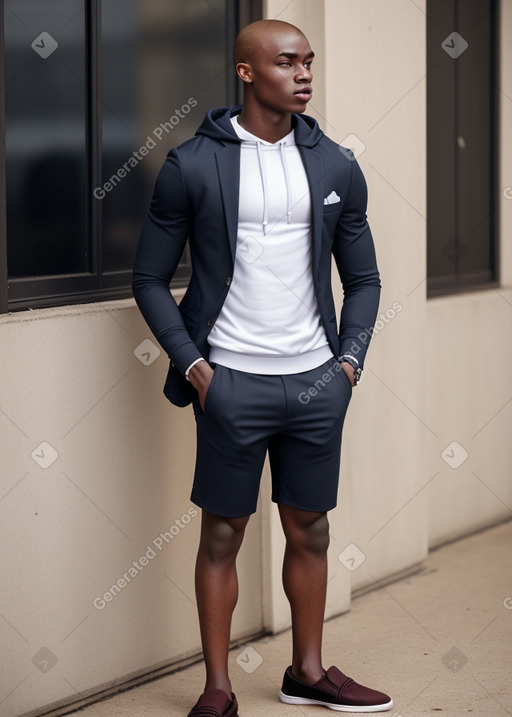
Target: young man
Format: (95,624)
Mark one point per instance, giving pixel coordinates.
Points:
(265,199)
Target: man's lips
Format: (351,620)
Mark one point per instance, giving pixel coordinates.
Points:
(304,93)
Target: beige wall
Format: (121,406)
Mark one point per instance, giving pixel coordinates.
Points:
(125,456)
(69,531)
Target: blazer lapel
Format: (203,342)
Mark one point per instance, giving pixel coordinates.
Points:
(315,173)
(228,166)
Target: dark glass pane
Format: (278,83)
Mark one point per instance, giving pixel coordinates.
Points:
(163,66)
(441,127)
(475,154)
(461,164)
(45,127)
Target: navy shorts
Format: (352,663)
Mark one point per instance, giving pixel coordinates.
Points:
(298,418)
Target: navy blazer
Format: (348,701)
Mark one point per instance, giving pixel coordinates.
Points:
(196,198)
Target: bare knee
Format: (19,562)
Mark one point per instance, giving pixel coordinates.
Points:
(304,530)
(315,535)
(221,537)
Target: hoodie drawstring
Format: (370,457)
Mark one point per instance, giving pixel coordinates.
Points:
(265,190)
(282,148)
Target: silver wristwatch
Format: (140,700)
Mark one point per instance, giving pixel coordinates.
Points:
(348,358)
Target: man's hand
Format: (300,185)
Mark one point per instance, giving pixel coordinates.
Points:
(200,376)
(349,370)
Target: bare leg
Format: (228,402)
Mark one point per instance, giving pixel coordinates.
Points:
(217,592)
(305,585)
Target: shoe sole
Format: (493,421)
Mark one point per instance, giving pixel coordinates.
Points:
(290,700)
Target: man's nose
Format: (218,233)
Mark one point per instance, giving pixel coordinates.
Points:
(304,75)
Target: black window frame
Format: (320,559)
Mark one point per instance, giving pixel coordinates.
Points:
(49,291)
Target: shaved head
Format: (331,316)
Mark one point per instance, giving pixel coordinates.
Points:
(256,35)
(273,59)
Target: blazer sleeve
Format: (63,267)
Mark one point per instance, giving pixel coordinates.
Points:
(161,245)
(354,253)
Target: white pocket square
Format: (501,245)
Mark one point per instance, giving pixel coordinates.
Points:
(332,198)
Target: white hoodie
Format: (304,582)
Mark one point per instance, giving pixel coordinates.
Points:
(270,322)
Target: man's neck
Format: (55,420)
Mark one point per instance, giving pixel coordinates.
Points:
(269,126)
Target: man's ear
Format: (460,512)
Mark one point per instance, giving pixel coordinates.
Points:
(244,72)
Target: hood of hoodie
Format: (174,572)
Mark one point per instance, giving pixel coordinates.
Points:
(217,125)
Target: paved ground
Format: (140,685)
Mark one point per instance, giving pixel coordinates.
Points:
(440,643)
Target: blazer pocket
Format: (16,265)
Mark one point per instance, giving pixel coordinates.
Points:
(332,208)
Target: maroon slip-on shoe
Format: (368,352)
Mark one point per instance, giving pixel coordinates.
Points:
(335,691)
(215,703)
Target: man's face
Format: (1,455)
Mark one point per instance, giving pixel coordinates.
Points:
(281,72)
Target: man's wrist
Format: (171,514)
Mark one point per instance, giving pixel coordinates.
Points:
(201,375)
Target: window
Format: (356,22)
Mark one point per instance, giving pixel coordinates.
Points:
(96,93)
(461,145)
